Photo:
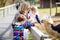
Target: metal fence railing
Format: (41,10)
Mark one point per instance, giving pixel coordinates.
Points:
(6,32)
(7,9)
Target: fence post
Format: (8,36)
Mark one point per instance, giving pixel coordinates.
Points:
(3,12)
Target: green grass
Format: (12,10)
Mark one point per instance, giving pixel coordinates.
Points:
(30,37)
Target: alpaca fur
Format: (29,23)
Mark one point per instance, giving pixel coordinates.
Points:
(52,29)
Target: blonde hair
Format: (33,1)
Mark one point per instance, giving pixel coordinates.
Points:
(24,7)
(34,8)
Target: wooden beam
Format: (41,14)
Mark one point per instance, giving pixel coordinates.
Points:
(50,7)
(41,3)
(57,14)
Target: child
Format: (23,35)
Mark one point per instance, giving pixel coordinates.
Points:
(33,15)
(18,27)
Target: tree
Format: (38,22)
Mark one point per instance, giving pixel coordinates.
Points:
(9,2)
(2,3)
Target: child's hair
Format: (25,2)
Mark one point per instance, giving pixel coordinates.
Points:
(23,7)
(21,18)
(34,9)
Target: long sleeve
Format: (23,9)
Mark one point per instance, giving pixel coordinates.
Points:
(37,18)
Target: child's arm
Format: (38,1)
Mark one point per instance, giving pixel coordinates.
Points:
(38,20)
(28,24)
(38,17)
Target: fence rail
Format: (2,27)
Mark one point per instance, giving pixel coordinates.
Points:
(57,2)
(7,9)
(6,32)
(38,35)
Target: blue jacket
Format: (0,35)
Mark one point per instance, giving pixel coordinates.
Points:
(20,27)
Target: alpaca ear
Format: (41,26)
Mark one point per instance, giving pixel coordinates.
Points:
(50,20)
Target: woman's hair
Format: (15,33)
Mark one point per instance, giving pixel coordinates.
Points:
(24,7)
(21,18)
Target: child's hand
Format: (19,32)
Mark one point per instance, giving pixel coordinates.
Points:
(30,20)
(41,21)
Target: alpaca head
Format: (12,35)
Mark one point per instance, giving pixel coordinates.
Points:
(47,19)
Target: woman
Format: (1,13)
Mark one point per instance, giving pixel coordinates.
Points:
(23,9)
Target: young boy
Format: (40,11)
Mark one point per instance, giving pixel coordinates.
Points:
(18,27)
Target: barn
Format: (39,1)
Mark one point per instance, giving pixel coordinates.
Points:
(46,3)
